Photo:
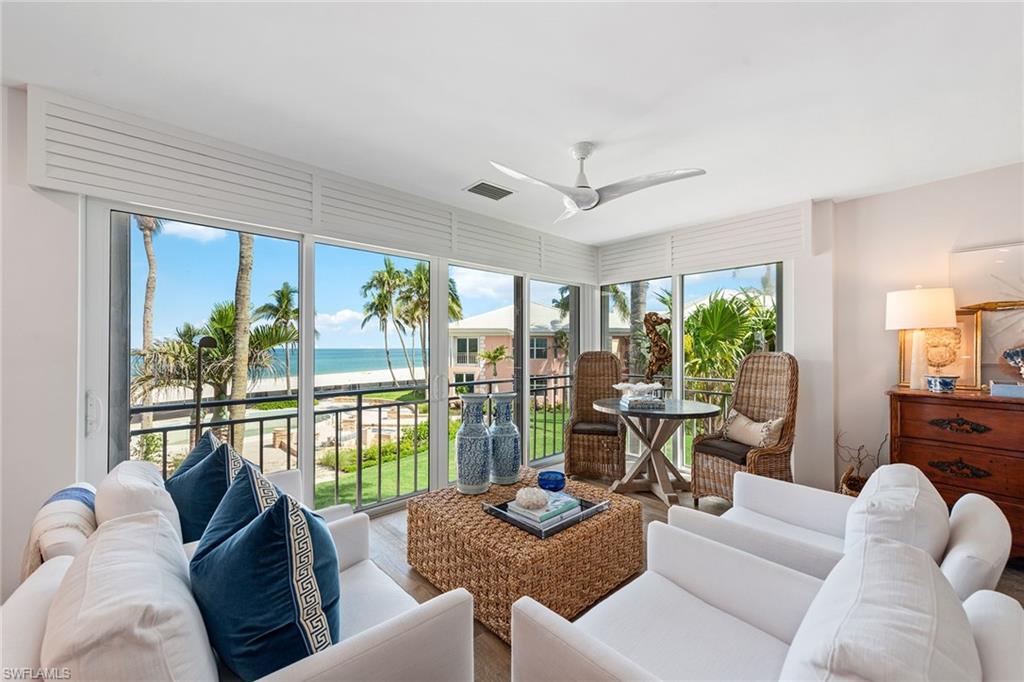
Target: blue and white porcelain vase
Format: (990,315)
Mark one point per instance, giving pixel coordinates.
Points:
(506,448)
(473,446)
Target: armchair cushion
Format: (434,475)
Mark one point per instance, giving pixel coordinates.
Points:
(723,447)
(682,637)
(595,428)
(265,576)
(371,598)
(898,502)
(884,613)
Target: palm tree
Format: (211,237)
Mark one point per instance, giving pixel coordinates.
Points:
(493,357)
(243,312)
(637,310)
(388,282)
(149,227)
(454,302)
(379,307)
(171,363)
(414,307)
(716,336)
(563,302)
(620,303)
(282,311)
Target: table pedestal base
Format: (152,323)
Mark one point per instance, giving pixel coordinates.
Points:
(653,471)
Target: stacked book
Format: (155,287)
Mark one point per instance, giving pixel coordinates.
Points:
(644,401)
(560,508)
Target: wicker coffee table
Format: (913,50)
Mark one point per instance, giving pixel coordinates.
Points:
(453,543)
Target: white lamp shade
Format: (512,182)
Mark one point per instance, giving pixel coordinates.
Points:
(920,309)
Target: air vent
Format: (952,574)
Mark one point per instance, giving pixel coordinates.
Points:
(486,189)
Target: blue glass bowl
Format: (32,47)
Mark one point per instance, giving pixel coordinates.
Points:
(551,480)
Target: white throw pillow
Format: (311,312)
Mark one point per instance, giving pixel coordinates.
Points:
(125,611)
(885,612)
(132,487)
(898,502)
(742,429)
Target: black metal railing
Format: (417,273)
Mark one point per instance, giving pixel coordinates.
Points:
(714,390)
(370,447)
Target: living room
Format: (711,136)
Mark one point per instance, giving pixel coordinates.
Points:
(800,263)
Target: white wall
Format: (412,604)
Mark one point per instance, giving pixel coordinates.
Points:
(807,285)
(39,346)
(895,241)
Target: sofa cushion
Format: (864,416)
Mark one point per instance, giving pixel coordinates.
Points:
(595,429)
(774,526)
(900,503)
(979,545)
(124,610)
(371,598)
(198,490)
(132,487)
(61,526)
(721,447)
(683,638)
(23,615)
(742,429)
(265,575)
(885,612)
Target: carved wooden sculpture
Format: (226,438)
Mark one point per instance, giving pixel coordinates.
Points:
(661,351)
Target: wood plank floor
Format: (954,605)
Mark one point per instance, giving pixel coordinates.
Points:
(492,655)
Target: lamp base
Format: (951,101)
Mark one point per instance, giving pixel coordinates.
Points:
(918,361)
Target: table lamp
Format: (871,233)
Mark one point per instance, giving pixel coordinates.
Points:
(917,310)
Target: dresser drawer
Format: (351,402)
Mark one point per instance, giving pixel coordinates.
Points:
(1014,514)
(965,424)
(966,468)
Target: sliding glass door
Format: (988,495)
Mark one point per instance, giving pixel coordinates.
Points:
(203,335)
(727,314)
(484,318)
(553,347)
(371,427)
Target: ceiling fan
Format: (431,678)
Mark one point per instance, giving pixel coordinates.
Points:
(583,197)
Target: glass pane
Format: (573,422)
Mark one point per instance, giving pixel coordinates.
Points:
(625,307)
(371,430)
(727,314)
(554,342)
(187,284)
(482,339)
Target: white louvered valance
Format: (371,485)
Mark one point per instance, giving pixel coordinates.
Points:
(85,148)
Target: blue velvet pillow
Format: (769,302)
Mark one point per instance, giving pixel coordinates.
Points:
(198,490)
(207,443)
(265,576)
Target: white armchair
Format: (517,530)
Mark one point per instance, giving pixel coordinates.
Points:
(706,611)
(805,529)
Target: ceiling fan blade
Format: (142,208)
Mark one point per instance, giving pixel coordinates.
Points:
(567,213)
(583,197)
(624,187)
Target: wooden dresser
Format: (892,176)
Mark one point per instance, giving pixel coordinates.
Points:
(964,442)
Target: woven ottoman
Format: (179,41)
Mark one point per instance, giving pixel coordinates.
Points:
(453,543)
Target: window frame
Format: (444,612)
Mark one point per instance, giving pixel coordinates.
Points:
(536,348)
(470,355)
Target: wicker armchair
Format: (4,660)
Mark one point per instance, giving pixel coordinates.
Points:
(594,442)
(766,388)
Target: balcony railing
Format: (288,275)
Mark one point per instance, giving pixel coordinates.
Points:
(371,447)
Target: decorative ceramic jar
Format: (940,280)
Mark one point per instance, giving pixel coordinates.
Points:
(506,449)
(473,446)
(938,383)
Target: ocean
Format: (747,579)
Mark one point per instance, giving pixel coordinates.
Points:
(337,360)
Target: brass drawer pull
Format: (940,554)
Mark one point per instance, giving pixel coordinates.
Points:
(959,468)
(960,425)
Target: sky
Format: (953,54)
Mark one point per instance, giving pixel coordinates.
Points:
(197,265)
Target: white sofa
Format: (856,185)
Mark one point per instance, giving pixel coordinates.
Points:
(385,633)
(706,611)
(805,529)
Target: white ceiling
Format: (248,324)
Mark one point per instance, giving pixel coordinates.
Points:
(779,103)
